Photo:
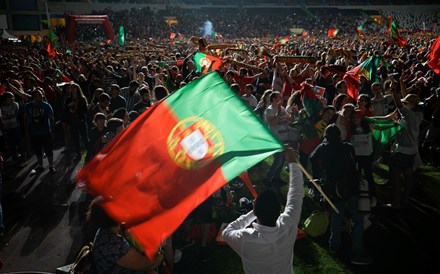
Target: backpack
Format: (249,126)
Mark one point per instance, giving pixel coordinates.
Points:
(84,263)
(317,223)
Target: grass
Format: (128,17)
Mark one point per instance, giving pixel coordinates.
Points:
(311,254)
(428,179)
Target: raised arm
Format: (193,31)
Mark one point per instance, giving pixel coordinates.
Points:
(26,97)
(295,195)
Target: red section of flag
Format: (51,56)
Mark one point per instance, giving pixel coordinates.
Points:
(401,41)
(65,78)
(332,32)
(352,86)
(434,56)
(51,50)
(149,192)
(210,64)
(360,30)
(247,181)
(351,78)
(2,89)
(319,91)
(327,70)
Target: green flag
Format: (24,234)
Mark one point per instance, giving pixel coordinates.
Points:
(53,39)
(121,37)
(174,156)
(384,132)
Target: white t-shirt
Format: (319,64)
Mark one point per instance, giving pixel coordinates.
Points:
(250,100)
(9,116)
(265,249)
(281,129)
(381,106)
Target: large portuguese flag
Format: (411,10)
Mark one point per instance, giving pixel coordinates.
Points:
(174,156)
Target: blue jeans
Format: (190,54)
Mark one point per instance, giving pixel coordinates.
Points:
(357,233)
(276,167)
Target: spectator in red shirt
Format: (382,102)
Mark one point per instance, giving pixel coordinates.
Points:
(242,80)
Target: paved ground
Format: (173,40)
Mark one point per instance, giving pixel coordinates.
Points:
(41,215)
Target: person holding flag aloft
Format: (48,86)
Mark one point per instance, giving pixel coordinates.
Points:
(267,246)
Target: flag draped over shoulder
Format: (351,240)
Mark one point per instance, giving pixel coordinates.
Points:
(121,36)
(368,69)
(434,56)
(205,63)
(174,156)
(384,132)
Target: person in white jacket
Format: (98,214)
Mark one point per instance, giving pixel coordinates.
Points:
(264,238)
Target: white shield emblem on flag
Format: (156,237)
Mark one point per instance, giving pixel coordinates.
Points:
(195,145)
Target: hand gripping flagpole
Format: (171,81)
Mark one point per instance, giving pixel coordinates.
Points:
(318,188)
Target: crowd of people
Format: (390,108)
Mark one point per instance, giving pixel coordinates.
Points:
(237,23)
(90,92)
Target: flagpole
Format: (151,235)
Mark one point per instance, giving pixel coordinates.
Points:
(48,17)
(318,188)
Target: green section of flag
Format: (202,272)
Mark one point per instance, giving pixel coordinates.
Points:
(121,36)
(53,38)
(284,41)
(368,68)
(246,139)
(384,132)
(393,31)
(198,59)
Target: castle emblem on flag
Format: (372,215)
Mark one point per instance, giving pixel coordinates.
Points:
(205,62)
(194,142)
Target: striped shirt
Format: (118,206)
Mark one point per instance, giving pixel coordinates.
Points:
(131,99)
